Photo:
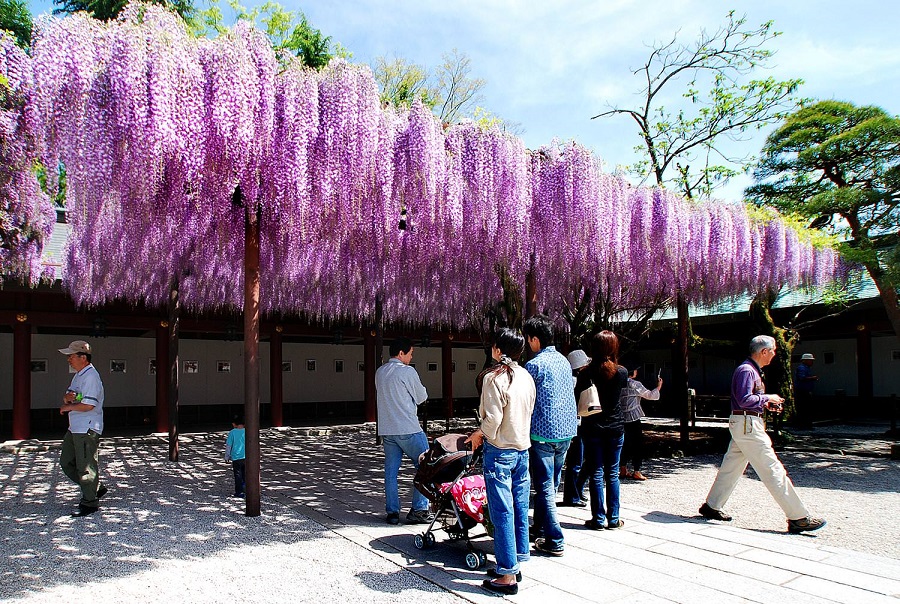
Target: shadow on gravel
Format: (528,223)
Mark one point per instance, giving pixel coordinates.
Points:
(155,510)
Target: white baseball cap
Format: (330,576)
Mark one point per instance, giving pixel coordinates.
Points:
(77,347)
(807,357)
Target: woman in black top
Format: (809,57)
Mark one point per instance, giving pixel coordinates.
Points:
(603,433)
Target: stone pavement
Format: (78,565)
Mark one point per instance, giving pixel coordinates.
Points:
(656,557)
(335,479)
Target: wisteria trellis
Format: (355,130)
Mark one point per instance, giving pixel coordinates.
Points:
(157,129)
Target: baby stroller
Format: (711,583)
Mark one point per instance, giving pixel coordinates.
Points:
(451,478)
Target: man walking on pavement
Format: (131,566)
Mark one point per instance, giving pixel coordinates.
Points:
(399,392)
(750,443)
(553,424)
(83,401)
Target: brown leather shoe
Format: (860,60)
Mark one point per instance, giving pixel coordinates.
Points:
(638,476)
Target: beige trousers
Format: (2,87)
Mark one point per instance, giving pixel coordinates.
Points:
(750,444)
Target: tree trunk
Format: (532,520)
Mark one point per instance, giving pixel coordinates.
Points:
(251,360)
(888,297)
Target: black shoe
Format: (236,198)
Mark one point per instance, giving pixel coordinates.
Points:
(507,590)
(493,574)
(102,491)
(83,510)
(241,495)
(711,514)
(594,525)
(393,518)
(574,504)
(617,524)
(541,545)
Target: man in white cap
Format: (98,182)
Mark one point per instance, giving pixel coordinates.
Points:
(803,390)
(83,401)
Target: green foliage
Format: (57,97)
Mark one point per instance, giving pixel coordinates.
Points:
(59,197)
(838,164)
(718,104)
(16,19)
(290,32)
(105,10)
(402,83)
(449,90)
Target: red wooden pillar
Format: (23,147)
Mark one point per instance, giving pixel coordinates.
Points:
(162,377)
(276,377)
(251,359)
(447,374)
(531,299)
(172,335)
(864,365)
(369,375)
(21,411)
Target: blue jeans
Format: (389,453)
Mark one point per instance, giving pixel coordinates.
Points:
(507,485)
(395,447)
(546,471)
(601,464)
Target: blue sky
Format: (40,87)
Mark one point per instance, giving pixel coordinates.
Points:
(550,66)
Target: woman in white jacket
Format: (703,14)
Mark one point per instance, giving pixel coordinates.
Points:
(507,401)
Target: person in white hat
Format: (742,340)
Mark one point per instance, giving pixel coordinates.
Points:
(803,390)
(573,484)
(83,402)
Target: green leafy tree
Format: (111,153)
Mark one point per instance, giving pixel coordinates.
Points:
(402,83)
(289,31)
(110,9)
(839,165)
(450,91)
(16,19)
(686,145)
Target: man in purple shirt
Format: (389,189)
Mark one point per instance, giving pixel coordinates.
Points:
(750,444)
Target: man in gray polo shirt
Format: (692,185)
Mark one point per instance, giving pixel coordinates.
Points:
(399,393)
(83,402)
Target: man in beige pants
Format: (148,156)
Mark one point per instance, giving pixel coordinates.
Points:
(750,444)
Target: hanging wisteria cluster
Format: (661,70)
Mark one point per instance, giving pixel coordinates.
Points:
(168,138)
(26,215)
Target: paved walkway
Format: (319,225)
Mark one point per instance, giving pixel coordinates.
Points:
(335,481)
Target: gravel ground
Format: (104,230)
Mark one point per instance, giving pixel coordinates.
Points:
(168,532)
(858,496)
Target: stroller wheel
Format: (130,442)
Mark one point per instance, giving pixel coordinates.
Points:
(429,539)
(474,560)
(419,542)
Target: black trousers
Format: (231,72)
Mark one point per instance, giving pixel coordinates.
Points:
(633,450)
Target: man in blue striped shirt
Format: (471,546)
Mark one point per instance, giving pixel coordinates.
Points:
(553,424)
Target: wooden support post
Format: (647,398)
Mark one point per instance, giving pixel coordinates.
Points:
(276,377)
(369,374)
(680,371)
(174,326)
(21,411)
(447,375)
(162,377)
